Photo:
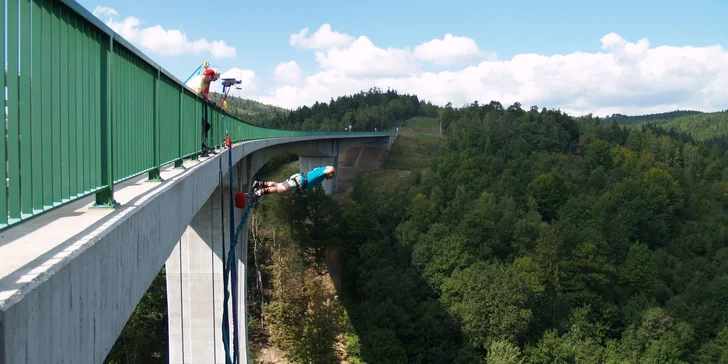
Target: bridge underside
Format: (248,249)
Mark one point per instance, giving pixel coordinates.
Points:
(71,278)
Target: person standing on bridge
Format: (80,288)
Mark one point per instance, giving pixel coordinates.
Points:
(298,181)
(201,84)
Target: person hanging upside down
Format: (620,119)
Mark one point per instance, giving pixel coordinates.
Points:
(298,181)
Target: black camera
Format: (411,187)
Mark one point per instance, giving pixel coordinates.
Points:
(230,82)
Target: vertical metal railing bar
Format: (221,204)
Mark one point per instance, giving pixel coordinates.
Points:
(78,105)
(13,120)
(66,123)
(26,144)
(55,184)
(36,102)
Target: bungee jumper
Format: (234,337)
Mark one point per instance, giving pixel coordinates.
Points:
(297,181)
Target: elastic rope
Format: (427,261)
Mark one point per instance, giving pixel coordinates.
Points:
(234,268)
(193,73)
(231,267)
(225,322)
(222,213)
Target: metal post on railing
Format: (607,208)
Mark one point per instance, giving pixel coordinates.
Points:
(206,117)
(198,136)
(154,173)
(105,197)
(178,162)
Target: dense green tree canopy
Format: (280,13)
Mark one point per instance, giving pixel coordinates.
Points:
(529,236)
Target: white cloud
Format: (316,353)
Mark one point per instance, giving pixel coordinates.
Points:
(166,42)
(105,10)
(450,50)
(627,77)
(288,73)
(323,38)
(363,59)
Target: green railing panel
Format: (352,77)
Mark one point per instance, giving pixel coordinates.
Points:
(65,120)
(169,116)
(236,130)
(85,116)
(13,130)
(45,103)
(90,105)
(192,123)
(3,157)
(26,142)
(74,125)
(55,77)
(133,124)
(82,131)
(218,130)
(97,103)
(13,166)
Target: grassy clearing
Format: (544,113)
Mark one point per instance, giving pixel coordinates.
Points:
(281,173)
(413,152)
(422,124)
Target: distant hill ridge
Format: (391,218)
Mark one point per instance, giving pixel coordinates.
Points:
(633,119)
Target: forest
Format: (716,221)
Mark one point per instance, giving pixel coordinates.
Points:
(531,237)
(251,111)
(518,236)
(635,119)
(363,111)
(710,128)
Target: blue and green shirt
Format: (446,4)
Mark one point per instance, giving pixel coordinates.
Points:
(315,177)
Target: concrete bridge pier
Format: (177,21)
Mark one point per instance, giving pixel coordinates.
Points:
(195,280)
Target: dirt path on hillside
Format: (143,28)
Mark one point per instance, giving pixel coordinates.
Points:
(355,161)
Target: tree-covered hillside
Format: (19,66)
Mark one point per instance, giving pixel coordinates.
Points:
(711,128)
(364,111)
(635,119)
(538,238)
(251,111)
(519,236)
(374,109)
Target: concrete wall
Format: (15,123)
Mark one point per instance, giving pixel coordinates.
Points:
(71,278)
(195,285)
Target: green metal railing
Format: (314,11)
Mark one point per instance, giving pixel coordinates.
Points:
(87,110)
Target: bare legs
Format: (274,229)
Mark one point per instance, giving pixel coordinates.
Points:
(265,188)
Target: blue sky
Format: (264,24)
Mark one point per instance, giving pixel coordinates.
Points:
(260,31)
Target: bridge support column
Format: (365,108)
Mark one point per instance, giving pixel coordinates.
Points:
(308,163)
(195,282)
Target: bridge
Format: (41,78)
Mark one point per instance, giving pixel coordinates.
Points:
(105,182)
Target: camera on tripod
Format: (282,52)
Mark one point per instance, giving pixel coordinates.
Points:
(228,82)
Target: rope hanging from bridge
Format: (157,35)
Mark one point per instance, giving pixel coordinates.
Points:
(230,267)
